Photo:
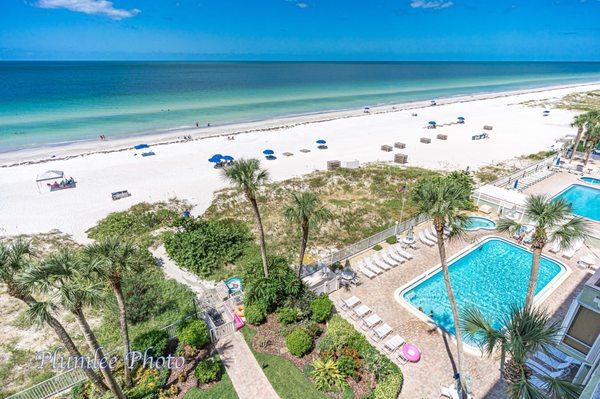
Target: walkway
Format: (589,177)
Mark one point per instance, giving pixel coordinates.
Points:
(246,375)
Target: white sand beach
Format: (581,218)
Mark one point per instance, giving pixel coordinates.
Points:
(182,170)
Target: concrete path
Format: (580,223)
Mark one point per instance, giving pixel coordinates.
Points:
(246,374)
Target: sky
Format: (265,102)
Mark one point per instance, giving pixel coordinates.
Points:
(454,30)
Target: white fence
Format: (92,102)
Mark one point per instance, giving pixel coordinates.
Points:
(508,180)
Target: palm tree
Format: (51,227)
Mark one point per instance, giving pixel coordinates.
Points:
(15,259)
(583,122)
(247,175)
(551,223)
(65,279)
(523,332)
(306,210)
(592,140)
(113,258)
(444,199)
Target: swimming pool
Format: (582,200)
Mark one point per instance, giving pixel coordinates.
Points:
(491,276)
(584,200)
(590,180)
(477,222)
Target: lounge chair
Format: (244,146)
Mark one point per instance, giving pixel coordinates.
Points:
(379,262)
(363,269)
(392,344)
(373,267)
(432,237)
(561,355)
(394,255)
(544,370)
(485,209)
(384,255)
(539,384)
(402,252)
(555,247)
(451,392)
(573,249)
(550,361)
(350,302)
(425,240)
(381,332)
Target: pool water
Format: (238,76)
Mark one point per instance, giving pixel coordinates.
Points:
(590,180)
(584,200)
(491,277)
(476,223)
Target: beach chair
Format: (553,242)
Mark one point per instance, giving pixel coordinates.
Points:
(363,269)
(371,321)
(425,240)
(392,344)
(430,236)
(376,260)
(398,249)
(544,370)
(561,355)
(573,249)
(555,247)
(385,257)
(350,302)
(451,392)
(381,332)
(372,266)
(550,361)
(392,254)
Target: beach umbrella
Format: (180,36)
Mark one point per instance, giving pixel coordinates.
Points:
(217,156)
(268,152)
(460,118)
(214,160)
(432,122)
(321,141)
(557,161)
(516,184)
(227,158)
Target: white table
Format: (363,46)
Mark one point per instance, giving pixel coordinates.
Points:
(351,302)
(372,320)
(362,310)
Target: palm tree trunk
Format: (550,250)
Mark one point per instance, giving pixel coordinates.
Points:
(577,141)
(455,315)
(261,234)
(502,360)
(303,245)
(95,348)
(535,268)
(118,291)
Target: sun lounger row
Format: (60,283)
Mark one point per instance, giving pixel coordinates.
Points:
(550,363)
(428,236)
(534,178)
(383,260)
(569,252)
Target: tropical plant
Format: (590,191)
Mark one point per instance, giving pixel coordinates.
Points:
(193,333)
(247,176)
(15,260)
(583,123)
(346,365)
(444,199)
(155,341)
(113,257)
(306,211)
(389,387)
(592,138)
(551,223)
(209,369)
(326,375)
(287,315)
(255,314)
(65,279)
(298,342)
(523,332)
(321,308)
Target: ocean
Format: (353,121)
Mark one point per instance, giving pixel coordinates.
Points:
(54,103)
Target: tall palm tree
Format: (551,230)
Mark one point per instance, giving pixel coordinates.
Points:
(592,140)
(65,279)
(551,223)
(15,259)
(444,200)
(247,175)
(306,210)
(522,332)
(583,122)
(113,257)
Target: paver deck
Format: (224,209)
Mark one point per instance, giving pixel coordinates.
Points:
(246,375)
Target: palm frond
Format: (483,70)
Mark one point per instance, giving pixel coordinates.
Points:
(508,225)
(561,389)
(479,329)
(566,234)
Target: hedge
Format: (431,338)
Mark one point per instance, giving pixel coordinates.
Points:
(298,342)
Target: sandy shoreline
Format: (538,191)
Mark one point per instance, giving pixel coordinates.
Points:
(181,170)
(171,136)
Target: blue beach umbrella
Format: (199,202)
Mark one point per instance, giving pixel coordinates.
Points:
(432,122)
(268,152)
(217,156)
(321,141)
(516,184)
(214,160)
(460,118)
(227,158)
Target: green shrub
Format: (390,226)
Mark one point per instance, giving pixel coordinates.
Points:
(390,387)
(321,309)
(287,315)
(147,383)
(342,334)
(346,365)
(209,369)
(381,366)
(391,240)
(298,342)
(155,339)
(206,246)
(255,314)
(377,247)
(194,333)
(326,375)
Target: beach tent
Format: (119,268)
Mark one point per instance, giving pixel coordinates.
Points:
(42,178)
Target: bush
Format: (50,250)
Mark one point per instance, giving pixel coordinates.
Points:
(206,246)
(155,339)
(342,334)
(391,240)
(377,247)
(321,309)
(390,387)
(381,366)
(255,314)
(209,369)
(346,365)
(326,375)
(147,383)
(194,333)
(298,342)
(287,315)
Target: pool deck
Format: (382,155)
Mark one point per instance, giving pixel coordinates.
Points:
(423,379)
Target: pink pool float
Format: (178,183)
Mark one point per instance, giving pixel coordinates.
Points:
(411,353)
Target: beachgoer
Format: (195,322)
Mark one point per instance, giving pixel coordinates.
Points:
(197,124)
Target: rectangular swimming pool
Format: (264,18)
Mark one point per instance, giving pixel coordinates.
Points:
(491,276)
(584,200)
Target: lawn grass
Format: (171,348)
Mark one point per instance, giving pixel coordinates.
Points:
(222,390)
(287,380)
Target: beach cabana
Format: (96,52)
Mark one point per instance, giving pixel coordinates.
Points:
(49,175)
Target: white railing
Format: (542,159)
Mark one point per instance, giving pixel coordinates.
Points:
(508,180)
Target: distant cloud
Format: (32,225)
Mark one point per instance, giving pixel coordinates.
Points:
(433,4)
(92,7)
(298,3)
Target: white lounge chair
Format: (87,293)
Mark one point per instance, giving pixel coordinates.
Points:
(544,370)
(381,332)
(385,256)
(561,355)
(539,384)
(550,361)
(363,269)
(431,236)
(402,252)
(451,392)
(382,264)
(373,267)
(425,240)
(573,249)
(393,343)
(555,247)
(485,209)
(350,302)
(394,255)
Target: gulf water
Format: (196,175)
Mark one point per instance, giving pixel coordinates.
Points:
(53,103)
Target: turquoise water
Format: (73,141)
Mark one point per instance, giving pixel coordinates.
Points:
(591,180)
(491,277)
(45,103)
(584,200)
(476,223)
